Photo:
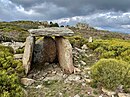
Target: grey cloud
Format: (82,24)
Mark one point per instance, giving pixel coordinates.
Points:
(99,13)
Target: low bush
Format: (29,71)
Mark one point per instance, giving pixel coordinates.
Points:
(9,85)
(10,71)
(110,73)
(20,51)
(114,48)
(77,41)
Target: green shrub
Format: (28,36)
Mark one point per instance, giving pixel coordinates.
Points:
(114,48)
(111,73)
(20,51)
(10,71)
(77,41)
(9,85)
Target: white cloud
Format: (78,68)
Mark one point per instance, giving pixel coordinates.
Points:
(22,10)
(114,21)
(125,26)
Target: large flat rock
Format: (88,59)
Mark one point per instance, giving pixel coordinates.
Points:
(52,31)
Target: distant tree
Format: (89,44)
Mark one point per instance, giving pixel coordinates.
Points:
(51,23)
(54,24)
(61,26)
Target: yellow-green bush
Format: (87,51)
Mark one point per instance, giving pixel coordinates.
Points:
(20,51)
(114,48)
(10,71)
(9,85)
(110,73)
(77,41)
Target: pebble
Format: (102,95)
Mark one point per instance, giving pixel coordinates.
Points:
(77,95)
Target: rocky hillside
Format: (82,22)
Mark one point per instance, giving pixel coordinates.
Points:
(103,58)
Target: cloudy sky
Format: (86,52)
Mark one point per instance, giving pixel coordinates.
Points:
(103,14)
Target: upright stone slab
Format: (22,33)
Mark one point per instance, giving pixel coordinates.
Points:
(28,52)
(49,47)
(38,57)
(44,50)
(64,51)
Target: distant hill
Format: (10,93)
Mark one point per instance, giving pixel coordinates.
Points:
(18,30)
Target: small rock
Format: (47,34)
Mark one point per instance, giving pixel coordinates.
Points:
(77,95)
(84,47)
(53,72)
(83,84)
(90,39)
(60,94)
(88,80)
(79,50)
(27,81)
(88,93)
(101,95)
(55,77)
(123,95)
(87,68)
(39,86)
(18,56)
(73,78)
(82,62)
(41,27)
(89,72)
(109,93)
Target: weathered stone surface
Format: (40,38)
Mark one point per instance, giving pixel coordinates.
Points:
(123,95)
(27,81)
(28,52)
(38,57)
(49,49)
(53,31)
(84,47)
(14,45)
(44,50)
(18,56)
(64,52)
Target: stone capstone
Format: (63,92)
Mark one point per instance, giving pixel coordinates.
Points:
(53,31)
(28,52)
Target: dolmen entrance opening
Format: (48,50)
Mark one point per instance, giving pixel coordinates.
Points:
(49,48)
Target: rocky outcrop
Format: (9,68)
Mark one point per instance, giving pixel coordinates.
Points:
(64,52)
(28,52)
(82,26)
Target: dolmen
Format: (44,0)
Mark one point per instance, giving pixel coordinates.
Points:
(52,45)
